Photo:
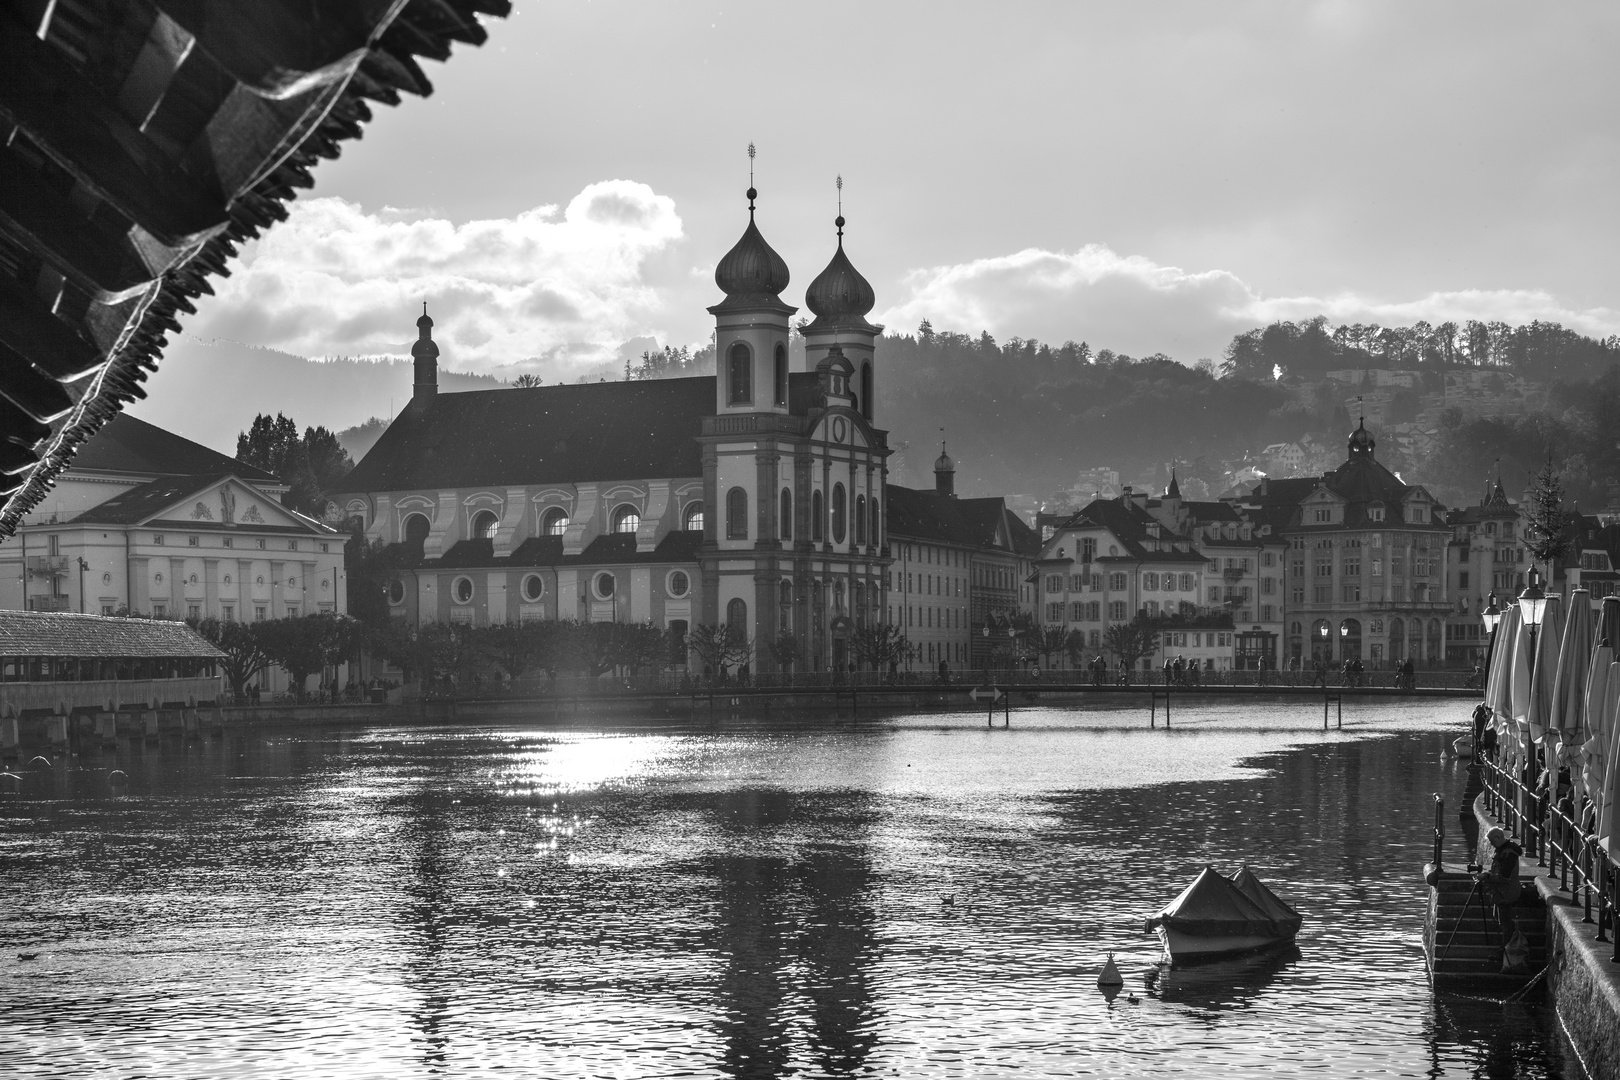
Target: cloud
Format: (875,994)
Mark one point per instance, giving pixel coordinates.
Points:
(335,279)
(1133,305)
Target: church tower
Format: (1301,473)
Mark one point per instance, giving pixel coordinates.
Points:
(840,298)
(425,353)
(751,326)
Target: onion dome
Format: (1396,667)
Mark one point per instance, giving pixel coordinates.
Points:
(752,274)
(425,347)
(1361,441)
(943,463)
(840,296)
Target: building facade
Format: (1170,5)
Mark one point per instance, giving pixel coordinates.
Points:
(957,579)
(1365,576)
(752,499)
(1486,554)
(149,523)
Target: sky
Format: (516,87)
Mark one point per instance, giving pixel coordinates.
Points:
(1144,177)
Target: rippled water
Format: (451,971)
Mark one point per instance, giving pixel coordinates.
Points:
(742,900)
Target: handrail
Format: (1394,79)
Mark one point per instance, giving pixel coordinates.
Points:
(1570,853)
(1439,827)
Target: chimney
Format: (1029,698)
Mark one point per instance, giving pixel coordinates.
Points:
(426,355)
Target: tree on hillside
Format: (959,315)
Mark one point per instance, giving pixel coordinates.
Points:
(526,380)
(310,464)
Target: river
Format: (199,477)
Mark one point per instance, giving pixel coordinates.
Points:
(918,896)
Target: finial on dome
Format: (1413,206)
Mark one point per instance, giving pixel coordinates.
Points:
(839,220)
(752,194)
(423,322)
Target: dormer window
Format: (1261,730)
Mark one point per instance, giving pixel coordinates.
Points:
(1375,512)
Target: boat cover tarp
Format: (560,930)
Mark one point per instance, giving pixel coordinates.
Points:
(1213,907)
(1273,905)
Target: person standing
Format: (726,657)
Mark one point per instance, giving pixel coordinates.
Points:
(1499,883)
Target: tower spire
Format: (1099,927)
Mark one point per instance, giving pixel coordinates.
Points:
(751,192)
(839,220)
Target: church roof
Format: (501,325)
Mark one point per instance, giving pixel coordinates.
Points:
(929,516)
(126,444)
(563,434)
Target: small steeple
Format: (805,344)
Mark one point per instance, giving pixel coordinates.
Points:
(944,473)
(1174,490)
(1361,442)
(426,354)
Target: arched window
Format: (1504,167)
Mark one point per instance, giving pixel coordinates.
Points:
(784,605)
(818,515)
(877,535)
(786,526)
(417,527)
(781,375)
(484,524)
(736,514)
(838,513)
(626,519)
(554,522)
(739,375)
(860,519)
(866,389)
(737,620)
(693,521)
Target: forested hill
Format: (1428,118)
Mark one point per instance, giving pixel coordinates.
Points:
(1023,416)
(1541,352)
(1026,417)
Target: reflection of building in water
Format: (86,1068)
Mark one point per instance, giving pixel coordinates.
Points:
(794,926)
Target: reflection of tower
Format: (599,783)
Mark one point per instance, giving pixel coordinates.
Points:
(427,839)
(762,901)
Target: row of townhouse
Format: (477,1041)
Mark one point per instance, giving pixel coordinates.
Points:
(1352,565)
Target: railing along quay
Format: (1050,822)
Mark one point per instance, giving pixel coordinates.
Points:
(1568,852)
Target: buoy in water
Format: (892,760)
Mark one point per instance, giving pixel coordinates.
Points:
(1110,979)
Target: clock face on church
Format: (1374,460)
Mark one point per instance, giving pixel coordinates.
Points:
(839,429)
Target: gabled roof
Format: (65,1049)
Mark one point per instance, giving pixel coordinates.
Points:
(563,434)
(983,523)
(126,444)
(1128,523)
(33,633)
(147,502)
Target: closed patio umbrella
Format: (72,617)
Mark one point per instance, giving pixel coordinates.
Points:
(1574,663)
(1596,722)
(1538,710)
(1610,793)
(1496,675)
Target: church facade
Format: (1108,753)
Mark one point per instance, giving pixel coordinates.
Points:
(752,499)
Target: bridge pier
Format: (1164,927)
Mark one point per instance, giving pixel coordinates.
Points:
(150,729)
(10,736)
(56,731)
(106,727)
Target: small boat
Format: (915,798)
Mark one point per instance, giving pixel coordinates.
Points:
(1217,916)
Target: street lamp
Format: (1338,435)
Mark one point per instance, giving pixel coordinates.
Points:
(1491,616)
(1532,604)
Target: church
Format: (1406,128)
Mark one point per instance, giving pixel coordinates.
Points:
(752,498)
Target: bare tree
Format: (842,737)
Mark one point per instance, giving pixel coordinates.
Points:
(1131,641)
(879,645)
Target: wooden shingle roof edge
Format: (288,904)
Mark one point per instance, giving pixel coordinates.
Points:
(38,633)
(54,405)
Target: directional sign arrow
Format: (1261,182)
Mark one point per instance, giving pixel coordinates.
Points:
(985,693)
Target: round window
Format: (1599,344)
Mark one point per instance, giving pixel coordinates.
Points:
(396,591)
(534,587)
(604,586)
(107,577)
(678,583)
(462,590)
(158,577)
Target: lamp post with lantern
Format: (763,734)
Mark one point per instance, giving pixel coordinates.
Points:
(1491,616)
(1532,605)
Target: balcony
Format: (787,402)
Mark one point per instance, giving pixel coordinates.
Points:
(47,564)
(57,602)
